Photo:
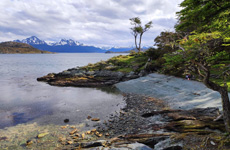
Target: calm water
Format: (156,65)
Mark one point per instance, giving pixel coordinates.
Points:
(24,100)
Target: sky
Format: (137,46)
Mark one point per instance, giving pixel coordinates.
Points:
(91,22)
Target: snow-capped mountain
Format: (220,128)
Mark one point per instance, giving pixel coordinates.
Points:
(33,40)
(69,46)
(69,42)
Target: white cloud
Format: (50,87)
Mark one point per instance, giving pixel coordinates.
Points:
(95,22)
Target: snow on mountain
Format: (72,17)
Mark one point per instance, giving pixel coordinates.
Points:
(71,46)
(69,42)
(33,40)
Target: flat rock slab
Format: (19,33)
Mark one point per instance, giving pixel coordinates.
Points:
(178,93)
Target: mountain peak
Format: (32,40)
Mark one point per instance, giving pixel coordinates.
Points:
(68,42)
(33,40)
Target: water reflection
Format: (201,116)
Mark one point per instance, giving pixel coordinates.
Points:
(23,99)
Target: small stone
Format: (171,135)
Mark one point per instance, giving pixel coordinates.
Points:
(29,142)
(93,130)
(66,120)
(73,131)
(95,119)
(107,134)
(89,117)
(87,132)
(98,134)
(73,127)
(61,139)
(63,127)
(70,142)
(41,135)
(75,137)
(83,135)
(212,143)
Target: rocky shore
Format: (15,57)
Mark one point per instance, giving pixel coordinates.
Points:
(173,122)
(147,123)
(83,78)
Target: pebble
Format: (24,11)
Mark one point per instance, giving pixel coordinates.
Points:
(70,142)
(93,130)
(107,134)
(61,139)
(41,135)
(73,131)
(95,119)
(66,120)
(29,142)
(63,127)
(83,135)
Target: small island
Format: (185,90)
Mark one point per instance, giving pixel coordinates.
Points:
(19,48)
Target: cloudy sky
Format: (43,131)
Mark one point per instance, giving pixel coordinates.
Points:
(92,22)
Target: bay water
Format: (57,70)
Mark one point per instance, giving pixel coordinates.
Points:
(25,100)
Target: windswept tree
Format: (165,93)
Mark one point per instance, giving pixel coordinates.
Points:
(205,47)
(139,30)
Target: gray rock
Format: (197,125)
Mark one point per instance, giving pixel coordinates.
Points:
(142,73)
(78,74)
(65,73)
(111,74)
(90,73)
(132,75)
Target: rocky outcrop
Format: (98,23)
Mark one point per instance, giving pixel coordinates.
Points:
(83,78)
(19,48)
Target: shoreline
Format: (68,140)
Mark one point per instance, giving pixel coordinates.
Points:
(145,122)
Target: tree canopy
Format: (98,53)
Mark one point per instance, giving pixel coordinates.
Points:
(200,45)
(204,16)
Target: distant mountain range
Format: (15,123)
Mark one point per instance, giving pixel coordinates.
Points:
(69,46)
(19,48)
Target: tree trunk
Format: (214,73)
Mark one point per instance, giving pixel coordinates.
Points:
(223,90)
(139,50)
(226,107)
(225,102)
(135,36)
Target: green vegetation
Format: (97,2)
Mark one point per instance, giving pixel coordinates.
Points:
(200,46)
(124,63)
